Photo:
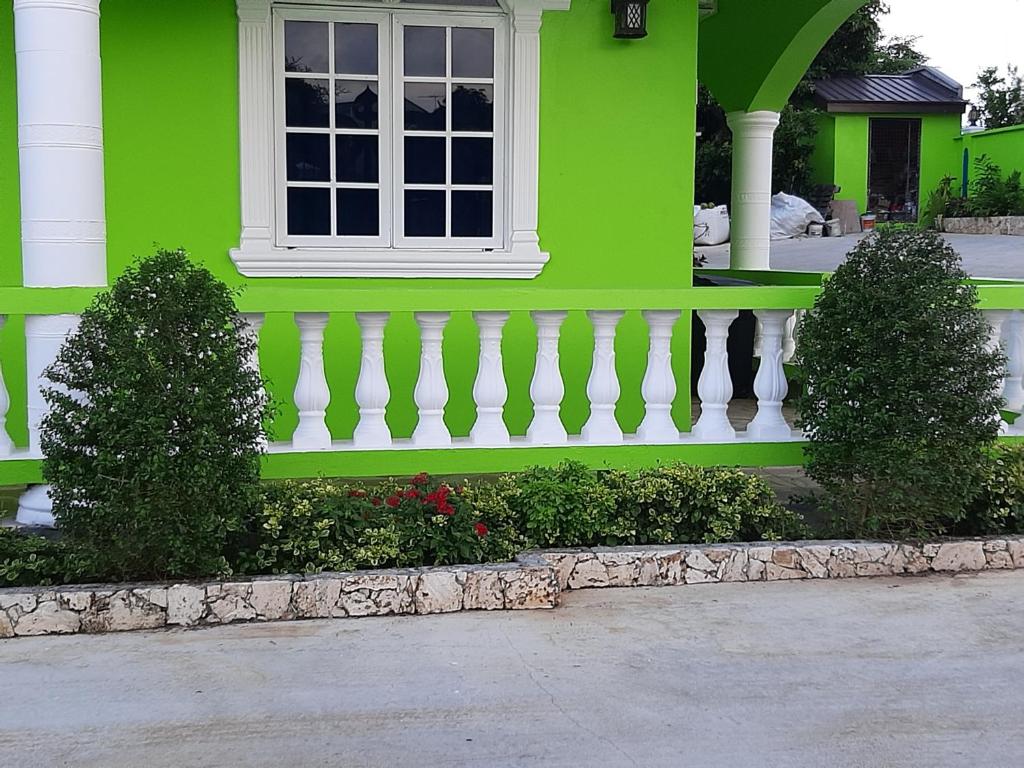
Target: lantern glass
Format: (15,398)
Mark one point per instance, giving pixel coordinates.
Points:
(630,18)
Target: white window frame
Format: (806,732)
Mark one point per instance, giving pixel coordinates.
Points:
(519,254)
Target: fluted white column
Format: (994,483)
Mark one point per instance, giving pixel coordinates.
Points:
(752,140)
(253,324)
(60,168)
(659,385)
(312,395)
(431,393)
(997,319)
(770,384)
(6,444)
(715,384)
(490,390)
(603,385)
(546,387)
(1013,337)
(372,390)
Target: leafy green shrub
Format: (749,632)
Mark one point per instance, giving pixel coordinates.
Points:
(29,559)
(998,509)
(154,461)
(688,504)
(942,201)
(992,195)
(900,391)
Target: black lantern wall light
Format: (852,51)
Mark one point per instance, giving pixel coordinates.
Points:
(630,19)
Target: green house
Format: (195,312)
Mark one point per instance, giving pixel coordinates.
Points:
(887,140)
(462,229)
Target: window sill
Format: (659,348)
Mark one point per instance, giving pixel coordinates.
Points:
(523,261)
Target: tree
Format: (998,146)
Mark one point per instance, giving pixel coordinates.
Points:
(153,438)
(1002,97)
(900,388)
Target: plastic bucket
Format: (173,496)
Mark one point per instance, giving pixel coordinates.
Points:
(867,222)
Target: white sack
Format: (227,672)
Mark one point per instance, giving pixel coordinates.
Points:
(710,225)
(791,215)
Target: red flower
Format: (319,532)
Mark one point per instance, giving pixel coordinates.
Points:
(421,479)
(445,508)
(412,493)
(376,501)
(393,501)
(481,530)
(357,493)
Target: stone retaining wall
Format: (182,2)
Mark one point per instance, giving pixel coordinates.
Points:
(991,225)
(535,580)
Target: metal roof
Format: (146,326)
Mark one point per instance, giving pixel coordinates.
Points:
(924,89)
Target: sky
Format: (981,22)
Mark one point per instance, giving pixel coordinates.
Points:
(960,37)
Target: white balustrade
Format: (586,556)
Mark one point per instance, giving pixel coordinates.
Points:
(1013,342)
(253,323)
(546,387)
(770,384)
(312,395)
(791,335)
(490,390)
(715,384)
(372,390)
(6,444)
(431,393)
(603,385)
(997,319)
(659,384)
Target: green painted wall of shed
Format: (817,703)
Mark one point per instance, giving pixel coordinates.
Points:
(616,195)
(1003,146)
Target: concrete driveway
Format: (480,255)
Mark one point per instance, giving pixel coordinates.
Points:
(908,672)
(983,255)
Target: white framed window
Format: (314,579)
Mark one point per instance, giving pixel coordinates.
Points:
(390,139)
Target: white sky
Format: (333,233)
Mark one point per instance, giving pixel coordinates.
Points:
(962,37)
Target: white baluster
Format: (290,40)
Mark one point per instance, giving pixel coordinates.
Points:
(546,388)
(6,444)
(490,390)
(603,385)
(312,394)
(758,343)
(253,324)
(659,385)
(1013,338)
(431,394)
(372,390)
(791,334)
(715,384)
(770,384)
(997,319)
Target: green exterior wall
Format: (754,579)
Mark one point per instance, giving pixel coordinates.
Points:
(1003,146)
(851,158)
(616,182)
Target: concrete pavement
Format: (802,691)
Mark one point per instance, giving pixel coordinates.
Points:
(886,672)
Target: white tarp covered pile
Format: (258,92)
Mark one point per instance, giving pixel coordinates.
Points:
(791,215)
(710,225)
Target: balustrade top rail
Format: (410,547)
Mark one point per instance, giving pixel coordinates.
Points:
(459,298)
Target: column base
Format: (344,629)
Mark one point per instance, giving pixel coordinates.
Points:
(36,508)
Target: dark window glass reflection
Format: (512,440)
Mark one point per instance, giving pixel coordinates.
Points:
(355,104)
(472,52)
(309,211)
(305,46)
(424,160)
(472,108)
(355,49)
(472,161)
(358,212)
(424,106)
(425,51)
(424,213)
(471,214)
(308,157)
(357,158)
(306,103)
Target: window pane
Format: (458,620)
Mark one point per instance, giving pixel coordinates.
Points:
(355,104)
(472,161)
(472,108)
(424,106)
(471,214)
(424,213)
(425,51)
(472,52)
(424,160)
(358,212)
(306,103)
(305,46)
(355,49)
(308,157)
(357,158)
(309,211)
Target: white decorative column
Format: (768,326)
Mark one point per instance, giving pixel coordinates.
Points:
(60,158)
(770,384)
(752,141)
(791,335)
(253,322)
(1013,338)
(997,319)
(312,395)
(372,390)
(659,385)
(431,393)
(715,384)
(546,387)
(490,390)
(6,444)
(603,385)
